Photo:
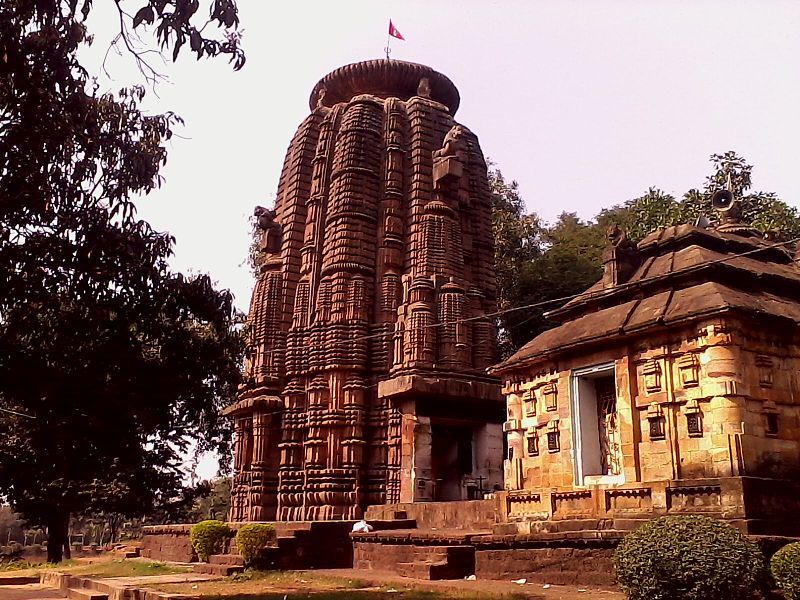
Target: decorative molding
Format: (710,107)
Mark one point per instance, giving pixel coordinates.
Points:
(656,421)
(765,366)
(550,393)
(689,370)
(652,376)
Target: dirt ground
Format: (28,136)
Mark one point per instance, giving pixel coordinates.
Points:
(334,584)
(346,584)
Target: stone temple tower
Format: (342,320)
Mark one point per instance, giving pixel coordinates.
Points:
(366,374)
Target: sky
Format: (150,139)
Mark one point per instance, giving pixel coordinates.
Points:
(586,104)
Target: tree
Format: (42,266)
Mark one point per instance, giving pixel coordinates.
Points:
(762,210)
(644,214)
(517,241)
(536,263)
(568,263)
(11,525)
(541,264)
(217,504)
(110,363)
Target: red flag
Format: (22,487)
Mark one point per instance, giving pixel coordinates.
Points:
(394,33)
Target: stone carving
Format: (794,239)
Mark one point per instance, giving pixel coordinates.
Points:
(689,367)
(453,142)
(270,239)
(652,376)
(424,88)
(618,237)
(550,393)
(364,284)
(620,259)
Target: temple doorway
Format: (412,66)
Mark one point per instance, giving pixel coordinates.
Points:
(451,459)
(596,426)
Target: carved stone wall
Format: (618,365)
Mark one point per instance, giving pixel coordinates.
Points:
(378,253)
(693,403)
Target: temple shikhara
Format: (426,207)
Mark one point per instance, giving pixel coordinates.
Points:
(366,378)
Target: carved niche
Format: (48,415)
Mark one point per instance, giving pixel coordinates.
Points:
(652,376)
(689,370)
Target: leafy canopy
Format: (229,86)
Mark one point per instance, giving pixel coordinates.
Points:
(539,263)
(110,363)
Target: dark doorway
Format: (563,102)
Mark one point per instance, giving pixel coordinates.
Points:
(451,459)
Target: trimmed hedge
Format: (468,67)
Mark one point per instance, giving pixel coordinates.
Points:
(208,537)
(253,539)
(785,566)
(689,558)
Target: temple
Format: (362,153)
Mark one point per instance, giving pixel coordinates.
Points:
(670,386)
(365,380)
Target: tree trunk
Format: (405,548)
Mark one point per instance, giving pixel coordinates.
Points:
(56,536)
(67,548)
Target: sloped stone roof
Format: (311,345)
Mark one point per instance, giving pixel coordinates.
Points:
(686,273)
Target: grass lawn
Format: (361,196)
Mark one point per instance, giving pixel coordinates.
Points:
(96,567)
(289,585)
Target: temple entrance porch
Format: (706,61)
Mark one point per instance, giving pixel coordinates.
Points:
(451,437)
(598,457)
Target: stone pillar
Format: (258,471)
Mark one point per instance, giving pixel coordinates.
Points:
(488,446)
(416,484)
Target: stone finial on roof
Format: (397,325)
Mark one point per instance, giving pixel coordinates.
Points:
(620,259)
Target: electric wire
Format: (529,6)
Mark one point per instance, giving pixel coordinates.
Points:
(584,294)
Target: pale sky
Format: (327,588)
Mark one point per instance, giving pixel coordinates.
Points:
(586,104)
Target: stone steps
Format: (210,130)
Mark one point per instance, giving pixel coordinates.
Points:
(226,559)
(433,570)
(417,561)
(86,588)
(222,570)
(85,594)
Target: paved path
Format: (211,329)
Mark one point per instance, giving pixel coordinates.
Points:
(148,579)
(31,591)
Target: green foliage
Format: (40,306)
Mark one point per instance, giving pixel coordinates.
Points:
(208,537)
(785,567)
(539,264)
(656,209)
(689,558)
(517,242)
(217,503)
(645,214)
(111,363)
(252,539)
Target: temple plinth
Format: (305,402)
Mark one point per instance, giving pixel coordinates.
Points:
(366,379)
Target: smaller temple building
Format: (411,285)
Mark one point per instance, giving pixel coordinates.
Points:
(670,386)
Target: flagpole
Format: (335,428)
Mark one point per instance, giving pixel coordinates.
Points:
(388,44)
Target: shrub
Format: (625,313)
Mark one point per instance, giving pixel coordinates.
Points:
(208,538)
(785,566)
(15,548)
(689,558)
(253,539)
